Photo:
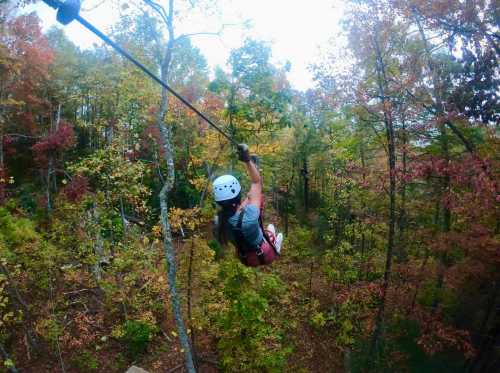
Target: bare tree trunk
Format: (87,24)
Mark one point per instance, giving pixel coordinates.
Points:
(364,266)
(172,273)
(287,201)
(166,138)
(286,208)
(2,129)
(402,254)
(311,273)
(305,174)
(347,360)
(98,245)
(382,84)
(440,113)
(446,224)
(47,184)
(190,298)
(1,141)
(124,220)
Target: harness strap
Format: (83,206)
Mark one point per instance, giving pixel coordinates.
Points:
(240,238)
(242,243)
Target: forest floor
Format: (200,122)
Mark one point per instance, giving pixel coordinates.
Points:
(312,351)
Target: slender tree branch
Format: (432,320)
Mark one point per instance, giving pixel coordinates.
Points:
(158,9)
(21,135)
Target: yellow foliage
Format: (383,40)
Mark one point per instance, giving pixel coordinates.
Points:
(156,230)
(148,317)
(199,183)
(117,332)
(265,149)
(182,219)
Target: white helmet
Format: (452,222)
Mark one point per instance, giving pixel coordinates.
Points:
(226,187)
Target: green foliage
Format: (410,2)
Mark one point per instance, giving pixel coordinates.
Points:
(118,177)
(85,361)
(447,298)
(26,198)
(343,320)
(256,92)
(341,264)
(9,315)
(87,264)
(217,248)
(251,338)
(24,249)
(403,352)
(50,329)
(318,320)
(136,335)
(300,243)
(134,281)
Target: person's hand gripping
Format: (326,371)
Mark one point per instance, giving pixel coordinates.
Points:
(243,153)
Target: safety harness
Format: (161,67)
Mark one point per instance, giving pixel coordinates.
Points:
(244,247)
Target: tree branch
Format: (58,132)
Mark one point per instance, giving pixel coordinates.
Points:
(158,9)
(206,33)
(21,135)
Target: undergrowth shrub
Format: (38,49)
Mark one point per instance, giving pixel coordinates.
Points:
(85,362)
(27,261)
(137,335)
(250,329)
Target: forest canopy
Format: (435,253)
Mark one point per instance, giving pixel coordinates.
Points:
(383,177)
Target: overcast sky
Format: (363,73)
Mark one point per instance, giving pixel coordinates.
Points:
(296,29)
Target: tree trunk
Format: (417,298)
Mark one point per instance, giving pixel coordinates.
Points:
(190,297)
(402,254)
(286,211)
(172,274)
(446,223)
(166,139)
(389,129)
(1,142)
(311,273)
(305,173)
(364,265)
(2,128)
(440,113)
(347,360)
(98,243)
(124,219)
(48,180)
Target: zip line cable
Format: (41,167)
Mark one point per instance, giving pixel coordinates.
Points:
(69,10)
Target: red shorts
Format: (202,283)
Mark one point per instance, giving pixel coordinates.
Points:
(270,254)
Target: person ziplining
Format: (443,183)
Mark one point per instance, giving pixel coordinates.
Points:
(241,221)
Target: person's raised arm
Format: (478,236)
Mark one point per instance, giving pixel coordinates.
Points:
(255,193)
